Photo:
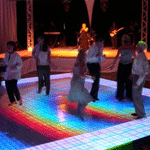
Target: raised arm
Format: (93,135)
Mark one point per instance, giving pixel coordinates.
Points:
(116,58)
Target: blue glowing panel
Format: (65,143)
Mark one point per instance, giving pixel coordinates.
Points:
(43,119)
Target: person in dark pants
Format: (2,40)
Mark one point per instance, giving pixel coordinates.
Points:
(123,82)
(11,86)
(124,69)
(41,53)
(113,34)
(140,70)
(35,53)
(44,71)
(93,59)
(13,64)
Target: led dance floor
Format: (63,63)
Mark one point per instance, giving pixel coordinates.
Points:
(50,122)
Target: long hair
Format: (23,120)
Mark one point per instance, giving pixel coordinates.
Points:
(81,57)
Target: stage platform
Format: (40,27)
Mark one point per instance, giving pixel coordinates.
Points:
(65,52)
(64,58)
(50,122)
(70,52)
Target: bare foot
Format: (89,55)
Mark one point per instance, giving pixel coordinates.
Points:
(20,101)
(12,103)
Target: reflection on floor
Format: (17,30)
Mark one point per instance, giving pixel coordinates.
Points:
(44,119)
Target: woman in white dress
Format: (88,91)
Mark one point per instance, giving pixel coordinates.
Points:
(78,93)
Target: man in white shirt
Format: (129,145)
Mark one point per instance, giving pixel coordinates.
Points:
(93,59)
(13,63)
(140,69)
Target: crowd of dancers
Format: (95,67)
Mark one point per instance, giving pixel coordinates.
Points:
(131,75)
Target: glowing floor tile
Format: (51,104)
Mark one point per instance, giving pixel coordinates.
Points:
(53,118)
(107,142)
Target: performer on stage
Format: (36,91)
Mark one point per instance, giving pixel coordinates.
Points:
(140,69)
(84,39)
(113,31)
(13,64)
(93,59)
(78,93)
(113,35)
(84,28)
(134,32)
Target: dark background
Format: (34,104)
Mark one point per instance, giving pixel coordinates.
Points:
(45,11)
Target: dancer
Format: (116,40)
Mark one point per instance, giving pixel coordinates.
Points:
(140,69)
(84,28)
(93,59)
(41,53)
(124,69)
(78,93)
(13,64)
